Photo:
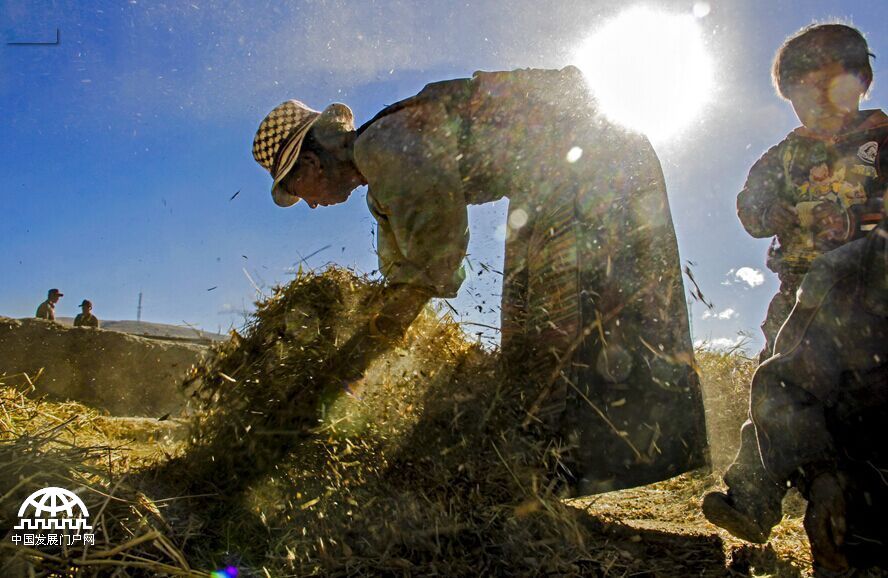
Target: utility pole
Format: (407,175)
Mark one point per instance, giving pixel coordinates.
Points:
(139,309)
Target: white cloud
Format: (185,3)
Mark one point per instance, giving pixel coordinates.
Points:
(728,313)
(721,343)
(729,276)
(750,276)
(308,49)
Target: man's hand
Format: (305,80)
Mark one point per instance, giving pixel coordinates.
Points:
(780,216)
(390,314)
(825,522)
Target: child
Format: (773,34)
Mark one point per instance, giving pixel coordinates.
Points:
(815,191)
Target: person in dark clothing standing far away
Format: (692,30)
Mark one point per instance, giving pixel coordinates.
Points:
(594,320)
(86,318)
(46,310)
(814,192)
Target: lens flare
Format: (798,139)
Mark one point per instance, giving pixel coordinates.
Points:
(701,9)
(518,218)
(649,70)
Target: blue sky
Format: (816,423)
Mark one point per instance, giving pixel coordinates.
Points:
(121,146)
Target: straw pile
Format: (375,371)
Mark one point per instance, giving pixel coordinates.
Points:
(69,445)
(727,376)
(422,468)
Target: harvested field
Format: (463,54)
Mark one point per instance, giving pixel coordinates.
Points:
(420,469)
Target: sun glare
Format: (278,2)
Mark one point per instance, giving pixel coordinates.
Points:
(649,70)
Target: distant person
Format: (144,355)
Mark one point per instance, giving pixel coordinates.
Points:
(815,191)
(46,310)
(590,251)
(86,318)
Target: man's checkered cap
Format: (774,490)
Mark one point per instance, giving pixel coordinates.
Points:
(285,126)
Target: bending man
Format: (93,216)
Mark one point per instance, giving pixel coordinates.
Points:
(593,317)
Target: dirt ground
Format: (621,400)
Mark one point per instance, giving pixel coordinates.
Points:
(664,520)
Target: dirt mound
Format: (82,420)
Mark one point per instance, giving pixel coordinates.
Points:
(123,374)
(154,330)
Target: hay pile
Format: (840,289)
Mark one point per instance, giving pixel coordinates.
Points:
(69,445)
(422,468)
(419,468)
(727,377)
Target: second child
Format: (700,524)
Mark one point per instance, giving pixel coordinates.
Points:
(815,191)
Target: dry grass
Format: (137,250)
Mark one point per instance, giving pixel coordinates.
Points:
(69,445)
(726,378)
(420,469)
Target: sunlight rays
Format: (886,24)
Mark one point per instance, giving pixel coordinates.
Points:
(649,70)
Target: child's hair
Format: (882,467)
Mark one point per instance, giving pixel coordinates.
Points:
(817,46)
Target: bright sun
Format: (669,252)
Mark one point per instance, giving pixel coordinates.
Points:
(649,70)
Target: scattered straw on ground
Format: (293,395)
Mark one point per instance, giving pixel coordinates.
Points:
(68,445)
(420,469)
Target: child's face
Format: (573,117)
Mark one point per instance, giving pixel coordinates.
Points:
(819,172)
(825,97)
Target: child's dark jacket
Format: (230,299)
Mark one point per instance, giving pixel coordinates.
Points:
(805,170)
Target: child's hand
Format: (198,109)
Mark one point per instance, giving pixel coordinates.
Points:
(781,216)
(830,223)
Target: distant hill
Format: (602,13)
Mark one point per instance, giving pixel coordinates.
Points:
(155,330)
